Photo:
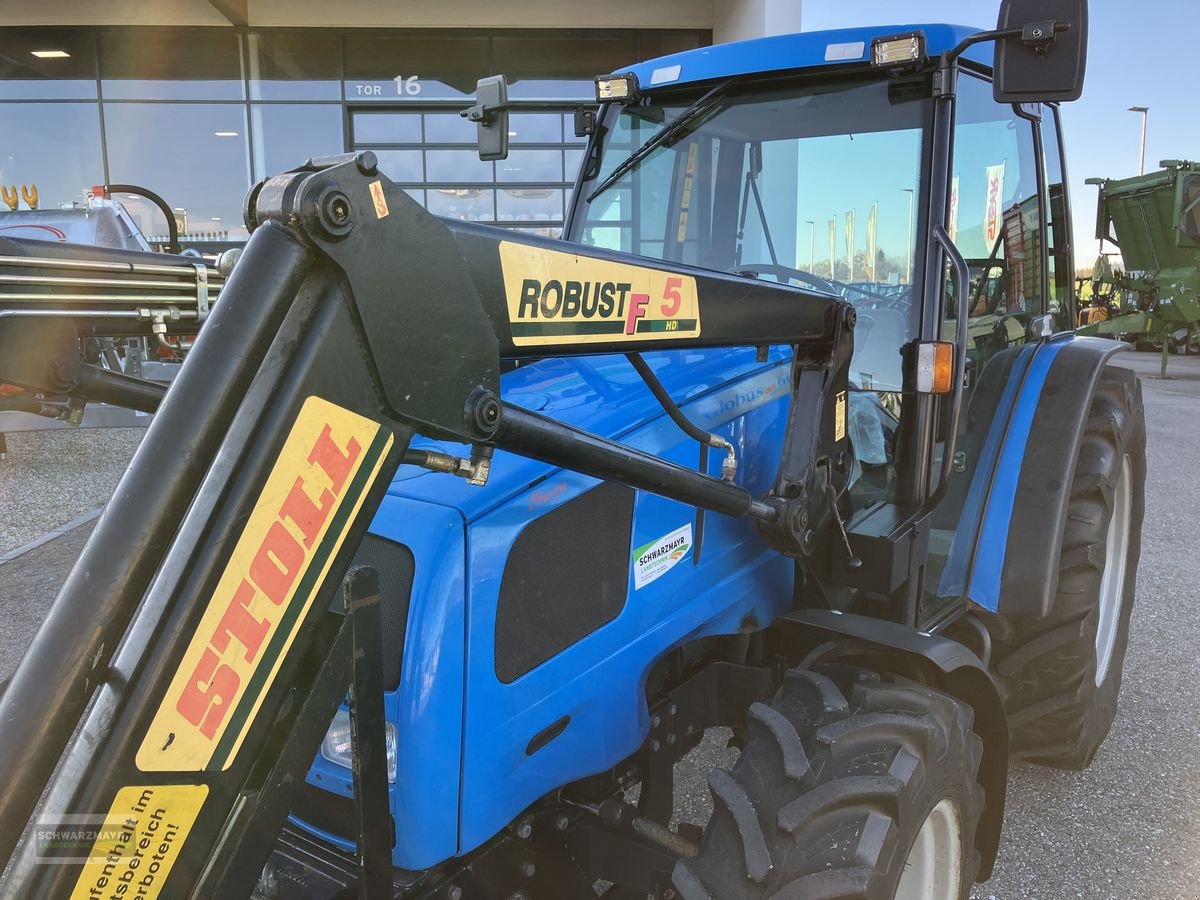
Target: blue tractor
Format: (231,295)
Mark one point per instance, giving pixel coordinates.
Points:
(872,510)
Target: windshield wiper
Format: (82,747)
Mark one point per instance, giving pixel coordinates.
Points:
(670,134)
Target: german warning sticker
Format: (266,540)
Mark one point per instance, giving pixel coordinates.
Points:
(139,841)
(654,560)
(561,298)
(316,487)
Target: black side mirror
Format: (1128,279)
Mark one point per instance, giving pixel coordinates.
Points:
(490,113)
(1045,56)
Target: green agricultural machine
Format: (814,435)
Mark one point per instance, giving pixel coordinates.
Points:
(1154,220)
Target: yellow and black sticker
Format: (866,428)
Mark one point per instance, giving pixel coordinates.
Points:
(324,470)
(560,298)
(143,835)
(839,416)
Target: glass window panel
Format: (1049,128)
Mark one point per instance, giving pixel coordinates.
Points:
(449,128)
(468,204)
(1062,278)
(45,89)
(140,64)
(401,165)
(535,128)
(582,90)
(419,196)
(577,57)
(25,76)
(608,237)
(529,204)
(54,146)
(996,214)
(387,128)
(572,160)
(173,150)
(531,165)
(445,66)
(548,67)
(285,135)
(294,65)
(456,165)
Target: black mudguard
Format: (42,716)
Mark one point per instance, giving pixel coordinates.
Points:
(953,669)
(1018,495)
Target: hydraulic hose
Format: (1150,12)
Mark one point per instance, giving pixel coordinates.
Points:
(729,465)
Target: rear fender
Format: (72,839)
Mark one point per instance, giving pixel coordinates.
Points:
(1004,557)
(1017,556)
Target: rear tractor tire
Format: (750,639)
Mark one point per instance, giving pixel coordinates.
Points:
(1060,675)
(851,785)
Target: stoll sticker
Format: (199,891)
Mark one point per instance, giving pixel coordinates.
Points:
(654,560)
(143,835)
(293,534)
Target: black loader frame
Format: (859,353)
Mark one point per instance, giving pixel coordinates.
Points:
(353,320)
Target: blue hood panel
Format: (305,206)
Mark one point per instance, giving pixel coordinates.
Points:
(600,394)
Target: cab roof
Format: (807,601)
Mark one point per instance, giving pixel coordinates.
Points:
(807,49)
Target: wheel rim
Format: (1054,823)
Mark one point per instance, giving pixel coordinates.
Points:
(933,870)
(1112,582)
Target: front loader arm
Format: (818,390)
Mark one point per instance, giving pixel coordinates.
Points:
(193,638)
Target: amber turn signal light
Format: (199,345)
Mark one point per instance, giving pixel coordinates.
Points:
(935,367)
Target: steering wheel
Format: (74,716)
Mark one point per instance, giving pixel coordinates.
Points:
(785,272)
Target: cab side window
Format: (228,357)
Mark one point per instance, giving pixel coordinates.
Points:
(995,213)
(1062,284)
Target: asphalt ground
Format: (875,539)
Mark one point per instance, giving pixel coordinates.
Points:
(1128,827)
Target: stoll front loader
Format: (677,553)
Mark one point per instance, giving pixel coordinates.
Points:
(701,486)
(1154,220)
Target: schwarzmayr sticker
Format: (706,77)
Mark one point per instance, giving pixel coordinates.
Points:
(654,560)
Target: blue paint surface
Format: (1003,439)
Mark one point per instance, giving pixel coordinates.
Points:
(463,773)
(953,581)
(984,587)
(794,51)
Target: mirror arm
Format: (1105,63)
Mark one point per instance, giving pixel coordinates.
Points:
(1037,34)
(482,112)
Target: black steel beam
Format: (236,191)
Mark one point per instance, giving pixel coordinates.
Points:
(71,652)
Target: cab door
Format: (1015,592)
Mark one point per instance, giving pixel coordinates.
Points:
(999,193)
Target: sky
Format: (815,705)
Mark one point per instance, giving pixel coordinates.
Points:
(1139,54)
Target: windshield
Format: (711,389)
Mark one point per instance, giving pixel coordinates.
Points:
(811,185)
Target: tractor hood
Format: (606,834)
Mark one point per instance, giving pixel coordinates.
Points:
(600,394)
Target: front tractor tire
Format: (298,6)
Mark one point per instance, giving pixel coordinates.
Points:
(851,785)
(1060,674)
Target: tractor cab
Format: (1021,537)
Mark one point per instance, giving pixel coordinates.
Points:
(832,161)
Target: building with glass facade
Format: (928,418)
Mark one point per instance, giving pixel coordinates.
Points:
(196,101)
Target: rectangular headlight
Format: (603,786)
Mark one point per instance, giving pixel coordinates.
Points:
(898,49)
(622,88)
(337,748)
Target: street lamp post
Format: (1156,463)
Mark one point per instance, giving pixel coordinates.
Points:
(1145,111)
(812,238)
(908,246)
